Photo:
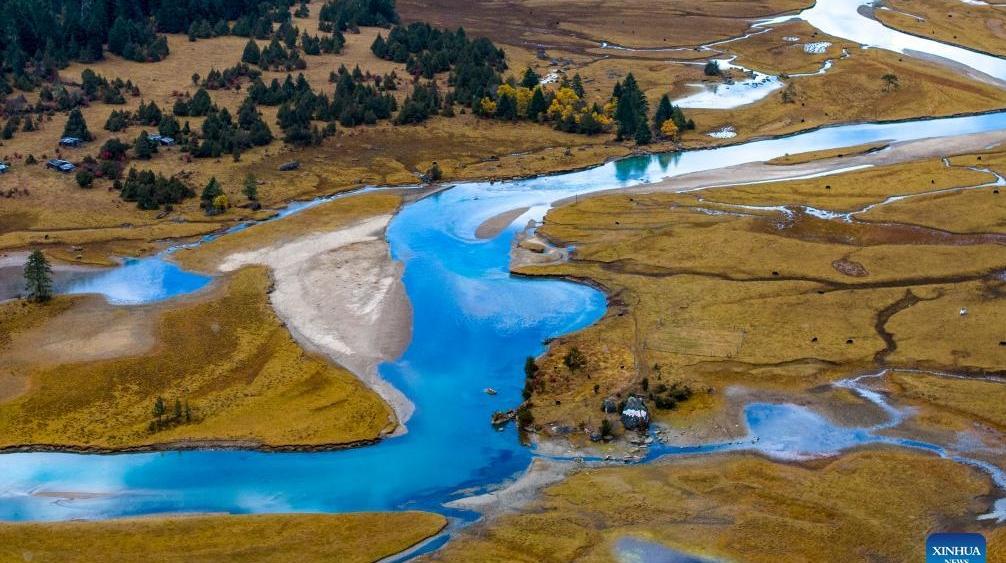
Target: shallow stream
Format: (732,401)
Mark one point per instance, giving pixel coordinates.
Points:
(474,324)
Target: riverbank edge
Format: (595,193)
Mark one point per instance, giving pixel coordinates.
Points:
(945,42)
(186,445)
(634,152)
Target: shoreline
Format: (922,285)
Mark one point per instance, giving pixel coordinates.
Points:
(313,337)
(760,172)
(185,446)
(340,294)
(634,151)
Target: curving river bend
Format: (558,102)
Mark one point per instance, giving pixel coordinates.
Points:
(473,326)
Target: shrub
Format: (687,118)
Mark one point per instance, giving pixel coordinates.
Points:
(85,178)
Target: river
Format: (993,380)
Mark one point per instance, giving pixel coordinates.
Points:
(473,326)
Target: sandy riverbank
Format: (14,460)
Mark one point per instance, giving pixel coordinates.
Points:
(495,225)
(757,172)
(763,172)
(340,293)
(541,473)
(12,274)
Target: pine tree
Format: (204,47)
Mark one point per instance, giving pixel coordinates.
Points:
(159,409)
(200,104)
(530,79)
(631,110)
(143,147)
(211,191)
(665,111)
(38,277)
(76,126)
(250,189)
(251,54)
(537,105)
(643,134)
(506,108)
(578,86)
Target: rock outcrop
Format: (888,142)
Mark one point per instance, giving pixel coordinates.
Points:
(635,415)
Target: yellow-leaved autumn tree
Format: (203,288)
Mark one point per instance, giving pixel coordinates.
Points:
(669,129)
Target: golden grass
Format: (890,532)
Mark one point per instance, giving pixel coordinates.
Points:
(741,507)
(968,211)
(18,316)
(935,333)
(326,217)
(57,212)
(352,538)
(853,190)
(978,27)
(228,356)
(772,52)
(803,157)
(574,26)
(750,298)
(465,147)
(852,90)
(960,398)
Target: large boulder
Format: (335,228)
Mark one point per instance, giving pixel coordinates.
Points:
(635,415)
(609,406)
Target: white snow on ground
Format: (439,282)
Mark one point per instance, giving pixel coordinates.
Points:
(816,48)
(727,132)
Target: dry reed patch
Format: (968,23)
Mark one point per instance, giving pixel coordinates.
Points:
(716,295)
(854,190)
(574,25)
(776,52)
(228,356)
(841,152)
(355,538)
(979,27)
(853,90)
(741,506)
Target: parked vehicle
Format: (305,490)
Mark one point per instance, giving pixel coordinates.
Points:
(162,140)
(72,142)
(60,165)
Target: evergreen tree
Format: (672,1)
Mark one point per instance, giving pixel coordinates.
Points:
(221,28)
(76,126)
(143,147)
(200,104)
(530,79)
(38,277)
(10,127)
(643,134)
(537,105)
(665,111)
(506,108)
(250,189)
(578,86)
(211,192)
(631,111)
(169,127)
(252,53)
(159,409)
